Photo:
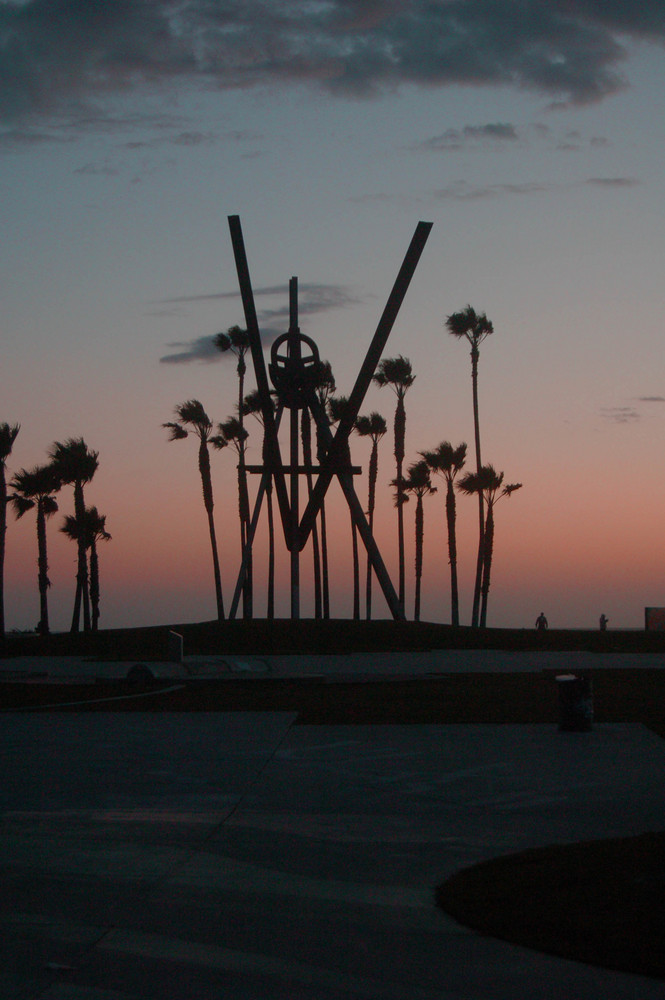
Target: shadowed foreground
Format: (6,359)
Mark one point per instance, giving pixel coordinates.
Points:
(600,902)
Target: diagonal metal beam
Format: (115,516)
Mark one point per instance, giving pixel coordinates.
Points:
(272,441)
(376,348)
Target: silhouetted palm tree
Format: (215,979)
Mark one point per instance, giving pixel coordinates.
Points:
(447,461)
(489,482)
(337,406)
(94,530)
(8,434)
(75,465)
(475,327)
(233,433)
(192,414)
(324,388)
(236,340)
(33,490)
(252,405)
(397,373)
(418,482)
(374,426)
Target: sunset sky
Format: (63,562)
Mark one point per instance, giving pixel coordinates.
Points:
(531,134)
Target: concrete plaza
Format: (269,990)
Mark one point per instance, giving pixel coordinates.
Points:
(241,856)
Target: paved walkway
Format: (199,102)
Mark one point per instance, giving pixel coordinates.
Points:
(241,857)
(356,665)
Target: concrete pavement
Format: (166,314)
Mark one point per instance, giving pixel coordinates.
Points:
(243,857)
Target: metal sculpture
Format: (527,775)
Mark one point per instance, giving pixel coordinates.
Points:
(293,367)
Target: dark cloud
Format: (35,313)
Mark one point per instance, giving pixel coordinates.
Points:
(463,191)
(273,321)
(498,134)
(651,399)
(620,182)
(64,57)
(460,138)
(620,414)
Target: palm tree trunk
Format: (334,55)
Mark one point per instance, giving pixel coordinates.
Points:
(42,561)
(82,593)
(243,505)
(94,585)
(400,438)
(356,571)
(481,504)
(452,552)
(270,610)
(324,563)
(325,584)
(487,562)
(248,589)
(371,499)
(206,485)
(420,530)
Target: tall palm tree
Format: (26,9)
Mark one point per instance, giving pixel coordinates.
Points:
(324,388)
(489,482)
(192,414)
(8,434)
(33,490)
(232,432)
(75,465)
(374,427)
(418,482)
(475,327)
(337,406)
(398,375)
(94,530)
(236,340)
(252,404)
(447,461)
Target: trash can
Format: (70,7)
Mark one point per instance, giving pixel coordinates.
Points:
(575,703)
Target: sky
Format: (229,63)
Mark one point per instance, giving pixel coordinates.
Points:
(531,134)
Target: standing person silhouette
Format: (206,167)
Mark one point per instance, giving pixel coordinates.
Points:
(603,623)
(541,622)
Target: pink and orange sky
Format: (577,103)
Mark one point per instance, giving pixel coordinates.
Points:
(531,135)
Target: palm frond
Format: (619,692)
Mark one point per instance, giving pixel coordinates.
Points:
(176,431)
(396,373)
(8,434)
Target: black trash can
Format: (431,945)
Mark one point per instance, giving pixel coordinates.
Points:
(575,703)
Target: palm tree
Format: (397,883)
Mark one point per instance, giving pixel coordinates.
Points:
(397,373)
(324,387)
(337,406)
(489,483)
(8,434)
(75,465)
(251,404)
(232,432)
(418,482)
(475,327)
(33,490)
(374,426)
(94,530)
(192,414)
(236,340)
(447,461)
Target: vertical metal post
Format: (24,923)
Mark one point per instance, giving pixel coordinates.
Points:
(294,353)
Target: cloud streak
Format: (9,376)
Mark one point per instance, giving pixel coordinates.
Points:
(313,299)
(66,57)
